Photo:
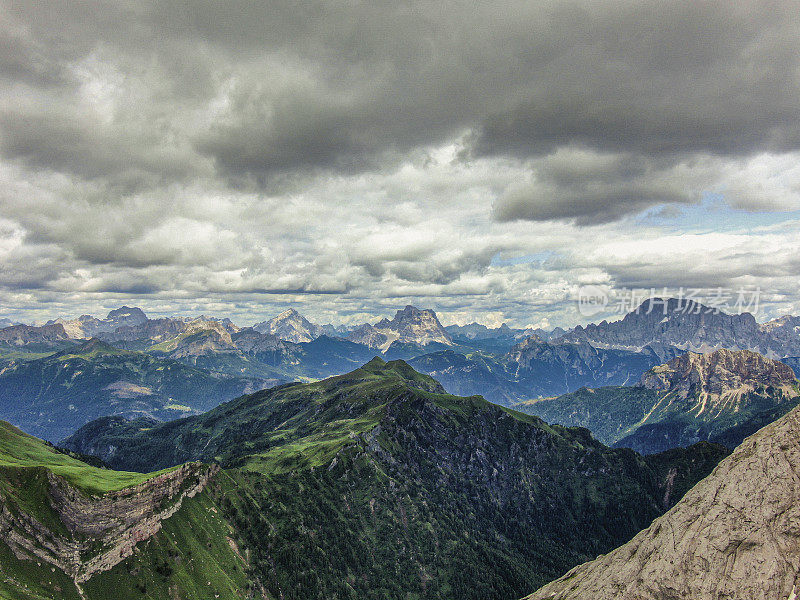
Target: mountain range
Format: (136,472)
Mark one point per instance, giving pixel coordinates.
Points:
(690,326)
(375,483)
(501,364)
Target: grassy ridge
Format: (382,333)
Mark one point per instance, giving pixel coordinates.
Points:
(20,450)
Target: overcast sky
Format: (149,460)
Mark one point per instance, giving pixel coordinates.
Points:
(485,159)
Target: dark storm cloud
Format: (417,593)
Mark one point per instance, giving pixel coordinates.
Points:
(595,188)
(660,78)
(345,86)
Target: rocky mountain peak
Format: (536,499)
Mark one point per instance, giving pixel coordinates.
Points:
(126,315)
(688,325)
(290,326)
(420,325)
(529,342)
(411,312)
(410,325)
(719,373)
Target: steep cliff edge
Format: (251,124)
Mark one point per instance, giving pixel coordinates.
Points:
(79,519)
(94,533)
(735,535)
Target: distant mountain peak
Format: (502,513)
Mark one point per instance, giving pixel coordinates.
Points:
(410,325)
(290,326)
(126,315)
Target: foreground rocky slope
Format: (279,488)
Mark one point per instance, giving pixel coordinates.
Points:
(722,396)
(735,535)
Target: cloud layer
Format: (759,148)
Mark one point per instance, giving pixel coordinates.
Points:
(482,158)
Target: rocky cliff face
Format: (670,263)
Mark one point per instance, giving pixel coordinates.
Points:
(722,396)
(92,534)
(20,335)
(410,325)
(691,326)
(719,374)
(735,535)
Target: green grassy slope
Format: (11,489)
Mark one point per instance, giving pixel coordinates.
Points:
(29,580)
(192,557)
(20,450)
(281,428)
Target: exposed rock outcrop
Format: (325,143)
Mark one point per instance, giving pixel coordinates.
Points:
(92,534)
(735,535)
(718,374)
(723,397)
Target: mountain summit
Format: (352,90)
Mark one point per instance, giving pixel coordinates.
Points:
(290,326)
(126,316)
(410,325)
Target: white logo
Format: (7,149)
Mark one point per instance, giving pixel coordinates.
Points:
(591,300)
